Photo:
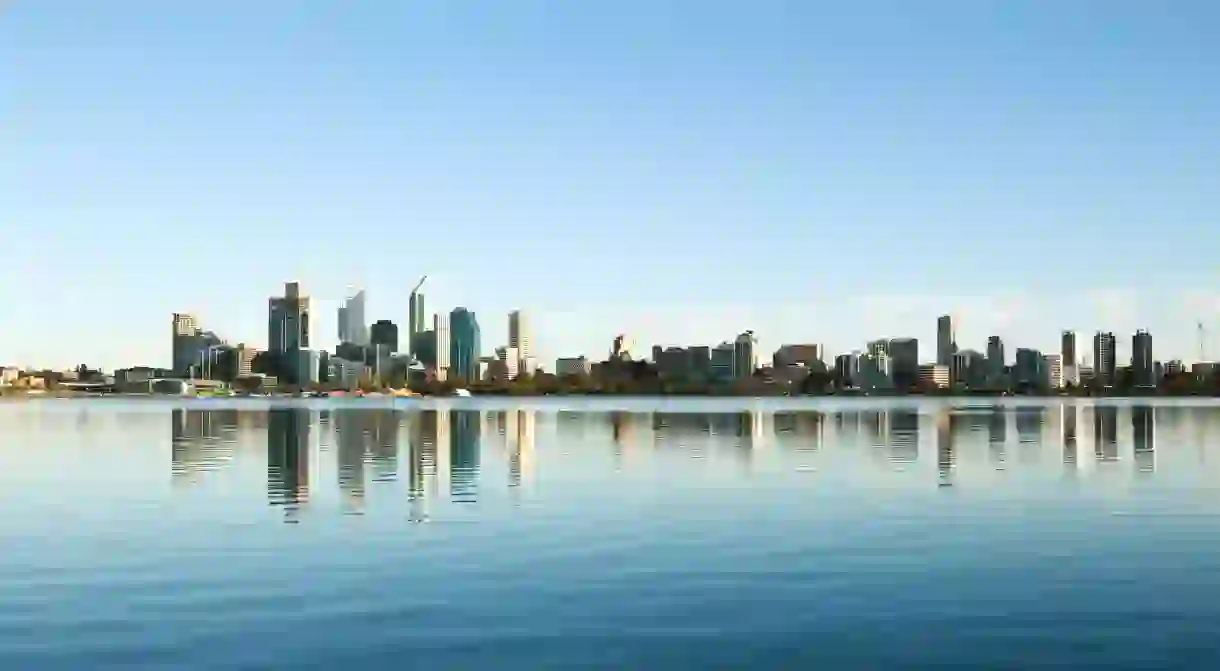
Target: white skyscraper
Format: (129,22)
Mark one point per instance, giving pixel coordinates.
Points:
(440,330)
(353,328)
(519,335)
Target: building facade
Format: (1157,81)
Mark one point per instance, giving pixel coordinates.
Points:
(464,344)
(576,365)
(904,362)
(441,345)
(945,347)
(1143,371)
(384,333)
(1104,362)
(352,325)
(288,330)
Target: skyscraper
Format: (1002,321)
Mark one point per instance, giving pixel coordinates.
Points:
(415,317)
(464,344)
(385,333)
(1068,358)
(904,357)
(1141,359)
(745,360)
(185,351)
(1068,349)
(1103,358)
(441,345)
(519,334)
(288,328)
(352,325)
(944,341)
(995,359)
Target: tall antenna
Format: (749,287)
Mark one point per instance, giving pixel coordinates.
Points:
(1202,341)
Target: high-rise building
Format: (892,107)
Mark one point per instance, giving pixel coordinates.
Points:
(744,358)
(904,362)
(384,333)
(1067,353)
(464,344)
(519,333)
(1068,349)
(1028,369)
(288,329)
(415,318)
(1104,366)
(1054,370)
(442,342)
(944,341)
(352,325)
(185,349)
(995,359)
(1142,368)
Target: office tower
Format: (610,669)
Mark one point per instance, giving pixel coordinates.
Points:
(744,358)
(415,318)
(1068,349)
(944,341)
(352,325)
(442,344)
(1028,368)
(878,348)
(185,349)
(288,320)
(464,344)
(519,334)
(1053,365)
(904,362)
(995,359)
(385,334)
(1103,358)
(288,329)
(1142,368)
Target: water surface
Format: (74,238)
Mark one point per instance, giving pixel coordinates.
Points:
(683,534)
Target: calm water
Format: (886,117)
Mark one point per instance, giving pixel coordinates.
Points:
(217,535)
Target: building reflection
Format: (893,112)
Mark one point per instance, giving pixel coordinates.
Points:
(1069,436)
(904,436)
(350,435)
(387,425)
(443,452)
(464,443)
(1143,438)
(288,432)
(873,423)
(1030,421)
(997,437)
(200,441)
(428,459)
(946,458)
(1105,432)
(522,426)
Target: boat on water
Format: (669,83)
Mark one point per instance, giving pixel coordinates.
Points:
(461,393)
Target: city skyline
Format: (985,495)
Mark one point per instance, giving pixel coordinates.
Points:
(1004,314)
(609,171)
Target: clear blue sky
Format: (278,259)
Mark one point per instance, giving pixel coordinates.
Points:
(679,171)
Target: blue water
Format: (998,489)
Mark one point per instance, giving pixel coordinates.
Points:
(849,535)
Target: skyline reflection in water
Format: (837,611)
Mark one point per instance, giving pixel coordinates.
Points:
(444,449)
(670,536)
